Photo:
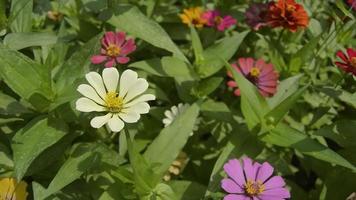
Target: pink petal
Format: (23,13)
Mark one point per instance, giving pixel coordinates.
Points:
(246,64)
(236,197)
(97,59)
(128,47)
(122,60)
(277,193)
(231,84)
(120,38)
(230,186)
(269,90)
(250,169)
(109,38)
(275,182)
(351,53)
(110,63)
(237,92)
(264,172)
(233,169)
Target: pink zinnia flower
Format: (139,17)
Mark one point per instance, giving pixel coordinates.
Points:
(261,74)
(214,19)
(252,181)
(352,3)
(349,64)
(256,15)
(114,49)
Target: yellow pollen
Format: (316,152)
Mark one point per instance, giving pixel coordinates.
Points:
(291,8)
(113,102)
(255,72)
(353,62)
(113,50)
(218,19)
(253,188)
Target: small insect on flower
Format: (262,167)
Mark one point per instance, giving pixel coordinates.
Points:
(193,16)
(256,15)
(11,190)
(261,74)
(250,181)
(114,49)
(121,102)
(349,61)
(214,19)
(287,14)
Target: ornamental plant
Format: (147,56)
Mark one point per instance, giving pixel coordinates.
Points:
(177,100)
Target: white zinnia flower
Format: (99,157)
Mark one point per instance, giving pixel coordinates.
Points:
(122,102)
(173,113)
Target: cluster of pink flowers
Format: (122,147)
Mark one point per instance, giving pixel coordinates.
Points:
(215,19)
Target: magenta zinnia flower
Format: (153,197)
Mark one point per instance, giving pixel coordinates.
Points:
(114,49)
(349,64)
(261,74)
(252,181)
(214,19)
(256,15)
(352,3)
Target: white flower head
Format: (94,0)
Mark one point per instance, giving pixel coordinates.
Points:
(120,99)
(174,112)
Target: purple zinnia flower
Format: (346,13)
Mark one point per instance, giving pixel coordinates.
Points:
(114,49)
(214,19)
(252,181)
(256,15)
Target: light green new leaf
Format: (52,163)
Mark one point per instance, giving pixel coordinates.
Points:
(278,112)
(197,46)
(171,140)
(15,70)
(224,49)
(33,139)
(18,41)
(20,19)
(346,11)
(285,136)
(133,21)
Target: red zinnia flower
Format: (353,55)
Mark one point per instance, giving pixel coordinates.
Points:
(114,49)
(287,14)
(256,15)
(349,64)
(352,3)
(261,74)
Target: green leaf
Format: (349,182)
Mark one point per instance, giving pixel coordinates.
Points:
(131,20)
(20,19)
(81,160)
(206,86)
(341,6)
(278,112)
(197,46)
(224,49)
(187,189)
(285,136)
(18,41)
(33,139)
(27,78)
(171,140)
(9,106)
(3,19)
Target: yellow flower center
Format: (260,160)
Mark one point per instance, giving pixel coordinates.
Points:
(113,50)
(255,72)
(253,188)
(291,8)
(113,102)
(218,19)
(353,62)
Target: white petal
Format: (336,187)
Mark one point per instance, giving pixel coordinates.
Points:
(99,121)
(128,78)
(139,87)
(168,114)
(115,124)
(88,91)
(142,98)
(96,81)
(167,122)
(86,105)
(130,117)
(111,78)
(140,108)
(174,110)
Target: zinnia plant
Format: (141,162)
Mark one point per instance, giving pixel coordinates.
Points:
(248,180)
(120,99)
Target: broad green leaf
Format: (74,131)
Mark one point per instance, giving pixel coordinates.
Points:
(278,112)
(171,140)
(33,139)
(27,78)
(3,19)
(224,49)
(197,46)
(9,106)
(20,19)
(187,189)
(206,86)
(131,20)
(162,192)
(81,160)
(18,41)
(285,136)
